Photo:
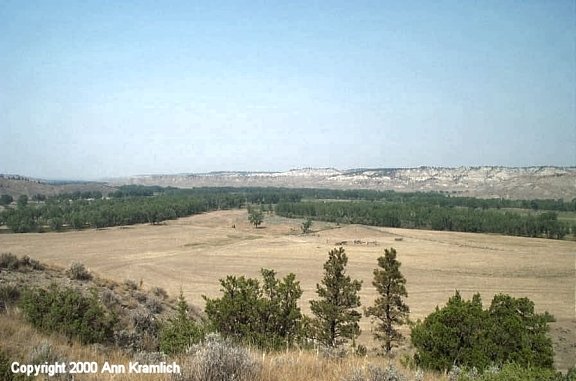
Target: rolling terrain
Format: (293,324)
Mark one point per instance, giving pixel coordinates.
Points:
(193,253)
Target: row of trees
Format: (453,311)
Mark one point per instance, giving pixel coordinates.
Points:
(414,215)
(462,333)
(56,214)
(276,195)
(267,314)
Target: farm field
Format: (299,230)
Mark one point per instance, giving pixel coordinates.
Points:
(193,253)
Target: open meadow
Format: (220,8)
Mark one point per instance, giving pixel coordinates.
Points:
(194,253)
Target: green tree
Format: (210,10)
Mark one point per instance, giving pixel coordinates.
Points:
(6,199)
(336,319)
(452,335)
(519,334)
(389,309)
(267,316)
(22,201)
(21,220)
(306,225)
(463,334)
(180,331)
(256,217)
(283,316)
(236,314)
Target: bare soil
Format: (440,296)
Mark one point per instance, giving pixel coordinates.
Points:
(194,253)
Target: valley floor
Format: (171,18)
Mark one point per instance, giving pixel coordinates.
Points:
(193,253)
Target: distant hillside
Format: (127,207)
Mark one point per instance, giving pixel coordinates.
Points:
(16,185)
(484,182)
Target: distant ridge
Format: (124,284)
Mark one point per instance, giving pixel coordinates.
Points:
(478,181)
(16,185)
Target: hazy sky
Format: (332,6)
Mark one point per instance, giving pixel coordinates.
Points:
(92,89)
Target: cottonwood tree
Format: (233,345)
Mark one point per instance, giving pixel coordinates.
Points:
(389,310)
(306,225)
(336,319)
(256,217)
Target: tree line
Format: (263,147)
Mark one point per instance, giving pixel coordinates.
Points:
(58,214)
(133,204)
(418,215)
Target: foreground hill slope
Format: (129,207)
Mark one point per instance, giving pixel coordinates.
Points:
(484,182)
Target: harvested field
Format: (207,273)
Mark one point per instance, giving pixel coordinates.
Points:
(193,253)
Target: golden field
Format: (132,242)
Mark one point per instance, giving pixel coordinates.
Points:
(194,253)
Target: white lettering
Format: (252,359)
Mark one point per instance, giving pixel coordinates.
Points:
(136,367)
(113,368)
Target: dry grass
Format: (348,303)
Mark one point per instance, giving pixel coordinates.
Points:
(193,253)
(19,340)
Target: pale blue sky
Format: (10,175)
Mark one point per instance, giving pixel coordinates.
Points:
(93,89)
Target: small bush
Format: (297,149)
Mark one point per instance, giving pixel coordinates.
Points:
(145,357)
(217,359)
(140,332)
(332,353)
(131,284)
(143,321)
(141,297)
(31,263)
(128,339)
(374,373)
(159,292)
(109,298)
(9,261)
(77,271)
(69,312)
(154,305)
